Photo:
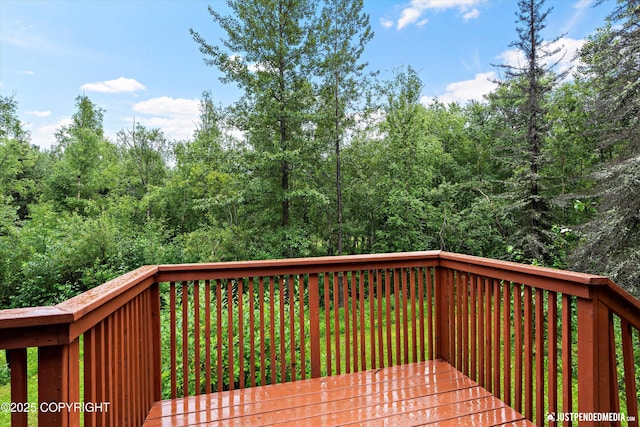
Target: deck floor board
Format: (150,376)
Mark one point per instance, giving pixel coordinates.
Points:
(427,393)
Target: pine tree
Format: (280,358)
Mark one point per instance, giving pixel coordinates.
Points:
(343,33)
(522,96)
(265,53)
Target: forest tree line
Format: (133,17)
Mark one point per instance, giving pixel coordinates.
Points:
(322,157)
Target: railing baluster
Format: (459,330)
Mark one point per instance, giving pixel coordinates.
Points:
(361,292)
(540,368)
(506,342)
(272,331)
(207,333)
(422,346)
(218,286)
(488,335)
(396,313)
(613,371)
(281,323)
(567,370)
(463,323)
(372,320)
(185,338)
(341,286)
(263,375)
(387,289)
(292,330)
(230,333)
(252,340)
(629,369)
(351,331)
(518,348)
(90,375)
(481,330)
(303,360)
(356,311)
(380,345)
(327,322)
(241,382)
(552,394)
(496,337)
(528,353)
(314,324)
(405,315)
(459,322)
(172,338)
(196,335)
(473,348)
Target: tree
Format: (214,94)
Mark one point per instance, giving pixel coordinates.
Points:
(611,60)
(267,47)
(79,147)
(17,162)
(522,95)
(147,151)
(343,33)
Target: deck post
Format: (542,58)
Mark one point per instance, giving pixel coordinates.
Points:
(17,359)
(314,324)
(442,303)
(594,373)
(59,384)
(156,351)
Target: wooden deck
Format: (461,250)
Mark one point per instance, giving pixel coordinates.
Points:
(425,393)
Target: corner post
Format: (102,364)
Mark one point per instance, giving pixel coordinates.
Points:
(155,337)
(59,383)
(594,340)
(17,359)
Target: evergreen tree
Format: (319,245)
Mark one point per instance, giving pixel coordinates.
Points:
(522,96)
(343,33)
(612,63)
(268,46)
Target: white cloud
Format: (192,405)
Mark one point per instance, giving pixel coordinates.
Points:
(472,14)
(412,14)
(409,16)
(39,113)
(512,58)
(386,23)
(564,60)
(44,136)
(466,90)
(176,117)
(119,85)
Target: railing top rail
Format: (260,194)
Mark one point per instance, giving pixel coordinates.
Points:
(76,307)
(319,262)
(532,270)
(88,301)
(33,316)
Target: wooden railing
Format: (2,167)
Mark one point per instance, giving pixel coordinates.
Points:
(535,337)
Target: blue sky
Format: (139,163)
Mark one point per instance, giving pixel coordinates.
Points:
(137,59)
